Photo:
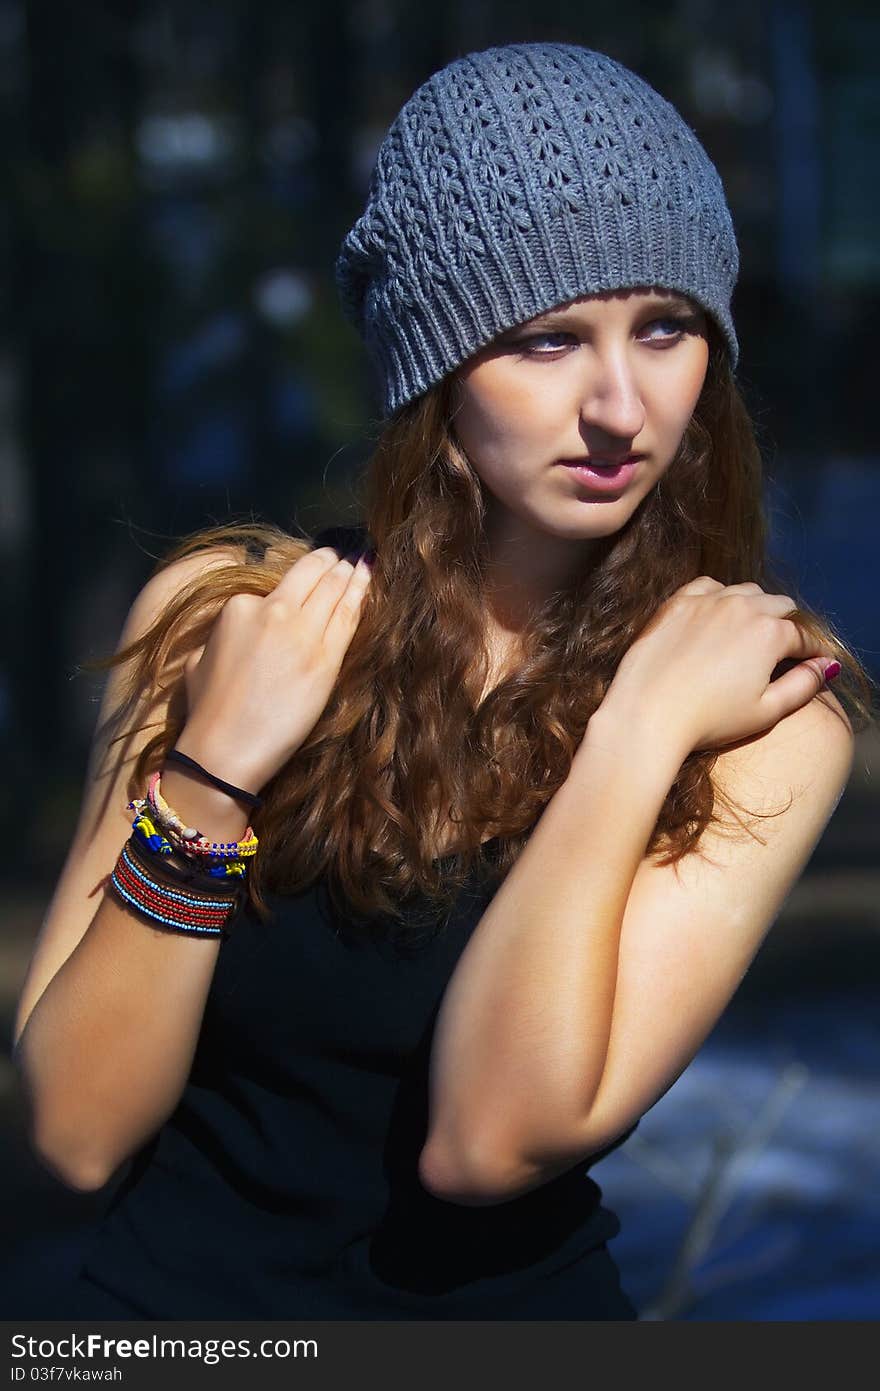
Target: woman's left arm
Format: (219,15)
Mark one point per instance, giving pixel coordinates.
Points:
(516,1096)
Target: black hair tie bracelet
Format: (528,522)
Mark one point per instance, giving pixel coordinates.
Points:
(175,756)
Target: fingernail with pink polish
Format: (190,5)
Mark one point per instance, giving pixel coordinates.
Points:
(832,670)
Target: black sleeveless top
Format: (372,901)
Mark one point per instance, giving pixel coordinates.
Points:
(285,1184)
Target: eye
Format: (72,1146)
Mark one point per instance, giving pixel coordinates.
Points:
(676,324)
(528,343)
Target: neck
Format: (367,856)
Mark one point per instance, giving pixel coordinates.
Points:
(523,570)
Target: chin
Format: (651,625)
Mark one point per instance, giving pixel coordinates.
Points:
(602,515)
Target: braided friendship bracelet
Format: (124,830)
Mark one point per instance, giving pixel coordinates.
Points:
(188,838)
(154,816)
(145,832)
(176,910)
(175,756)
(182,869)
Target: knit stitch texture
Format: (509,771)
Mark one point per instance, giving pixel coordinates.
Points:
(512,181)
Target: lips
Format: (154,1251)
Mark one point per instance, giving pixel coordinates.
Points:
(600,460)
(600,477)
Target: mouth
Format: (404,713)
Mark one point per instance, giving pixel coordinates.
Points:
(602,475)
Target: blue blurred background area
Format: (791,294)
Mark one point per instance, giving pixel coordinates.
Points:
(176,184)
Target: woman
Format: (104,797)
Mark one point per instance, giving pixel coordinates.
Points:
(489,910)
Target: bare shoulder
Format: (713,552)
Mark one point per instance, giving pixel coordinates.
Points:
(175,579)
(169,581)
(807,756)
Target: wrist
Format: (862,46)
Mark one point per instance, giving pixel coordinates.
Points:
(198,803)
(222,759)
(640,732)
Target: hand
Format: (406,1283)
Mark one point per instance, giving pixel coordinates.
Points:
(261,682)
(700,672)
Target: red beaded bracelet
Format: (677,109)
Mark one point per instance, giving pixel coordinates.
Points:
(176,909)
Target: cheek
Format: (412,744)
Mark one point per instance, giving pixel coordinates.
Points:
(693,383)
(496,411)
(673,401)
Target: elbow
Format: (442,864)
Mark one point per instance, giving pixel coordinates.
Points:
(82,1177)
(64,1162)
(492,1172)
(450,1183)
(84,1180)
(474,1180)
(55,1152)
(79,1177)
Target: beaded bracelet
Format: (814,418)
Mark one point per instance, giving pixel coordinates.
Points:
(188,838)
(146,832)
(174,909)
(179,868)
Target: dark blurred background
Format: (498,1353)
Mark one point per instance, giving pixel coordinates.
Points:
(177,182)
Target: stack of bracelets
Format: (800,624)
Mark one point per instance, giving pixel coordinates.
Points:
(172,875)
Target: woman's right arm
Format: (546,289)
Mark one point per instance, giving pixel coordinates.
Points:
(110,1010)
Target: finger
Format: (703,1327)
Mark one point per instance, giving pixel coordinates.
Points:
(746,587)
(794,689)
(703,584)
(780,605)
(326,553)
(299,583)
(346,614)
(789,604)
(793,641)
(319,606)
(301,578)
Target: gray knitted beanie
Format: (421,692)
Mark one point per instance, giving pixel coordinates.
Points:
(517,179)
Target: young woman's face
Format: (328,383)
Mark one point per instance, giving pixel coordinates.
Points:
(614,374)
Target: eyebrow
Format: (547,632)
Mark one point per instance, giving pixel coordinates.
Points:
(678,303)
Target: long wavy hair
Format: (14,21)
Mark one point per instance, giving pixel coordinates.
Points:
(408,731)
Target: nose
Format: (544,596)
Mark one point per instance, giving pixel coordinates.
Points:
(611,400)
